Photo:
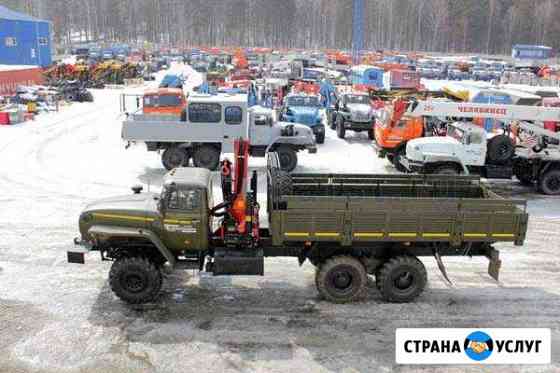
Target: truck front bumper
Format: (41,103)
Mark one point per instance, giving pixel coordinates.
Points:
(358,126)
(77,254)
(413,166)
(381,152)
(319,129)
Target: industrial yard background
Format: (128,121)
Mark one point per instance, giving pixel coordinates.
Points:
(478,26)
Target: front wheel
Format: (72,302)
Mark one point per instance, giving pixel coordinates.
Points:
(401,279)
(446,170)
(341,279)
(371,134)
(287,157)
(135,280)
(396,160)
(331,121)
(320,138)
(550,183)
(340,130)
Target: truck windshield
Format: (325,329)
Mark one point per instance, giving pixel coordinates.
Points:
(303,101)
(181,199)
(357,100)
(456,133)
(162,101)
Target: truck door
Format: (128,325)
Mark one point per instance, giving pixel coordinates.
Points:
(235,126)
(475,147)
(184,224)
(261,129)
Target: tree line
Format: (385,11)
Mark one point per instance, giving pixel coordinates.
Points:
(448,26)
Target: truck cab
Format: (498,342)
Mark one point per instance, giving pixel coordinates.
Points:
(352,112)
(467,148)
(207,128)
(392,134)
(164,101)
(304,109)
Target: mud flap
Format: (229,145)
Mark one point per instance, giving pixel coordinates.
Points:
(441,267)
(495,264)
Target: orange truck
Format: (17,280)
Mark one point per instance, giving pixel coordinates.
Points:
(393,130)
(164,101)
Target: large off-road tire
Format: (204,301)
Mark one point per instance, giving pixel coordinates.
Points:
(285,186)
(523,173)
(342,279)
(331,120)
(135,280)
(174,157)
(549,183)
(447,170)
(287,157)
(500,149)
(340,130)
(320,138)
(207,156)
(401,279)
(396,160)
(86,97)
(371,134)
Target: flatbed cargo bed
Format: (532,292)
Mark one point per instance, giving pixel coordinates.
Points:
(350,209)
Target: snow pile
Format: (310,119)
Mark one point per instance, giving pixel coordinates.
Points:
(16,67)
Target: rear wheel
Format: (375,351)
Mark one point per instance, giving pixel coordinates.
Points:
(340,130)
(207,156)
(371,134)
(401,279)
(287,157)
(342,279)
(550,183)
(320,138)
(174,157)
(135,280)
(332,121)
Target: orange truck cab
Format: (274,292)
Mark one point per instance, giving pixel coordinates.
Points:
(393,130)
(164,101)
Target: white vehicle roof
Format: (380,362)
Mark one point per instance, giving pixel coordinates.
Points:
(362,68)
(219,98)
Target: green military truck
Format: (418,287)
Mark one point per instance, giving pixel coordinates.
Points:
(347,226)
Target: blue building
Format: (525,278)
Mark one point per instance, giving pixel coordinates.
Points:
(24,40)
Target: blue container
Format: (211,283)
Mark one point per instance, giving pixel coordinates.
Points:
(25,40)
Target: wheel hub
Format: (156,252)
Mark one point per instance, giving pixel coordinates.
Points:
(134,283)
(404,281)
(342,280)
(553,183)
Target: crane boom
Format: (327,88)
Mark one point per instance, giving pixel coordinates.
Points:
(473,110)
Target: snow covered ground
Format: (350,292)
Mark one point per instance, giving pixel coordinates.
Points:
(59,317)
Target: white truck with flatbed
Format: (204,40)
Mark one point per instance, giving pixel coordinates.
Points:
(469,149)
(207,128)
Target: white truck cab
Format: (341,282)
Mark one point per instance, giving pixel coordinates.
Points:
(465,145)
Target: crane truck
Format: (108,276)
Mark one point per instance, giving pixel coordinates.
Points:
(347,226)
(468,149)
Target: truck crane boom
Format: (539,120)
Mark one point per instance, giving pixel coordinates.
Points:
(472,110)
